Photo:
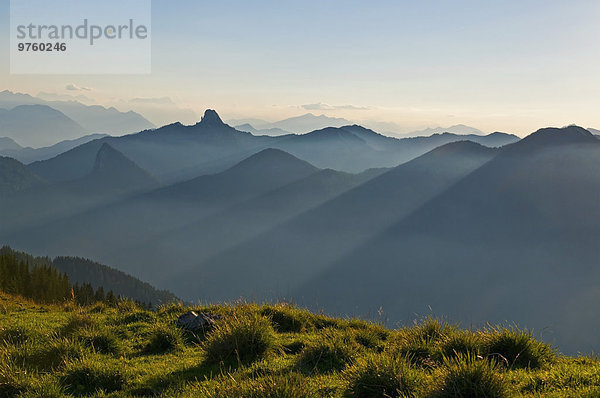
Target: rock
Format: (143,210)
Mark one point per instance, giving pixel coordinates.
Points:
(197,322)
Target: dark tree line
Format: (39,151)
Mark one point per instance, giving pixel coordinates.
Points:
(41,283)
(45,284)
(81,270)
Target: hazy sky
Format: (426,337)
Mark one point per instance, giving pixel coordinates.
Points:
(509,65)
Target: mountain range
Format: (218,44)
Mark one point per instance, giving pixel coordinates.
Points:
(474,227)
(247,127)
(75,115)
(309,122)
(596,132)
(10,148)
(177,152)
(516,239)
(38,125)
(456,129)
(296,125)
(15,177)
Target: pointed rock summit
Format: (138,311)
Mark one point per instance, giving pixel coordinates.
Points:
(211,118)
(114,170)
(108,158)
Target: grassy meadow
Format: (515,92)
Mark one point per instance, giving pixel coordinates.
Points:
(269,351)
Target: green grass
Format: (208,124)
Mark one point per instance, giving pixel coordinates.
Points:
(240,338)
(331,350)
(262,351)
(164,339)
(470,377)
(383,375)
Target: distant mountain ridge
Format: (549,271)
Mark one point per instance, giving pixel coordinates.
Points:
(596,132)
(293,125)
(521,230)
(473,231)
(305,244)
(38,125)
(8,144)
(456,129)
(113,171)
(111,177)
(28,155)
(15,177)
(177,152)
(92,118)
(268,131)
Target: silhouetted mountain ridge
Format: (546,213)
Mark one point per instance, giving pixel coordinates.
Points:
(552,136)
(7,143)
(520,230)
(93,118)
(114,171)
(177,152)
(211,118)
(274,262)
(15,177)
(28,155)
(38,125)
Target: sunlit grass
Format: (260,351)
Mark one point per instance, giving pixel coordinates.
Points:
(270,351)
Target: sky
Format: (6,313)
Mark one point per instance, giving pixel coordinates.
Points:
(511,65)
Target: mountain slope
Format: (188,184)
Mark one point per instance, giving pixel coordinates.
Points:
(173,152)
(268,131)
(15,177)
(177,153)
(596,132)
(520,231)
(29,155)
(456,129)
(296,125)
(113,172)
(306,123)
(93,118)
(8,144)
(80,271)
(277,261)
(208,236)
(113,177)
(38,125)
(355,148)
(128,222)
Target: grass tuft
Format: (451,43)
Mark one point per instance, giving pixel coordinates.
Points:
(163,340)
(103,342)
(331,351)
(469,377)
(287,318)
(517,349)
(49,356)
(382,375)
(17,335)
(76,323)
(240,338)
(85,378)
(465,343)
(135,317)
